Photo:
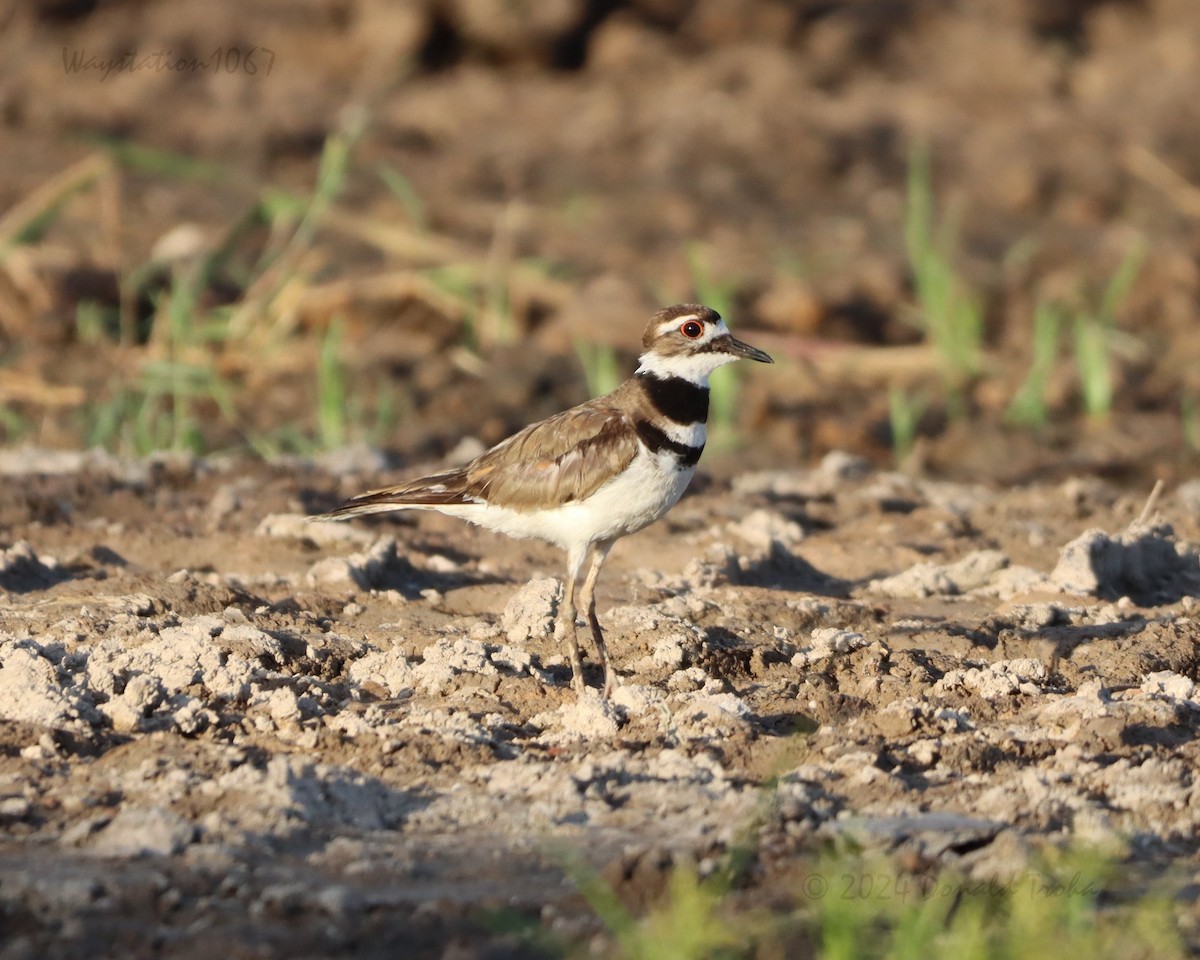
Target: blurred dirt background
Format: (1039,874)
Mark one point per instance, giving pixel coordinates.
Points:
(525,176)
(306,247)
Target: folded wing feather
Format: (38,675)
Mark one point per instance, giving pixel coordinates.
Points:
(559,460)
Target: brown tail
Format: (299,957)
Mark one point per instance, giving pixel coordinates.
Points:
(436,490)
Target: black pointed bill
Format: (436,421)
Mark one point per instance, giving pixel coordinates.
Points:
(739,349)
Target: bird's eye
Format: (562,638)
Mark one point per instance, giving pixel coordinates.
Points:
(691,329)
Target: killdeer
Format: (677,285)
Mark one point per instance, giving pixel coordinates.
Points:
(592,474)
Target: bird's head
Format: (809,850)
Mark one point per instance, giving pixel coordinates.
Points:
(690,341)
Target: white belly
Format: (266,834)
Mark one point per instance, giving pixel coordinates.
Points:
(648,488)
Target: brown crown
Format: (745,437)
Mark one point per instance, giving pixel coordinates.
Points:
(702,313)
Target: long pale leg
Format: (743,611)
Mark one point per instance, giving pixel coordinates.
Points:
(566,616)
(587,599)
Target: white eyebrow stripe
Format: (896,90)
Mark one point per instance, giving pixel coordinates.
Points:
(669,326)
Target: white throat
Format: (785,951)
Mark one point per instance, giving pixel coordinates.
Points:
(694,367)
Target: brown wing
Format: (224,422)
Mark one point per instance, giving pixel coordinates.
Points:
(439,489)
(565,458)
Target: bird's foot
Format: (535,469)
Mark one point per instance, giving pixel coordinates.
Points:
(578,684)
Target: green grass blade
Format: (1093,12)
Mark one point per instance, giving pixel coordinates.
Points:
(1092,360)
(164,163)
(403,190)
(1121,283)
(1028,406)
(601,367)
(331,389)
(948,311)
(1189,419)
(918,218)
(904,419)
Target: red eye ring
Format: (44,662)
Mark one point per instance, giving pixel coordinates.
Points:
(692,330)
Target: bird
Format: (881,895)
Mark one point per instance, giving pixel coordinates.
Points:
(586,477)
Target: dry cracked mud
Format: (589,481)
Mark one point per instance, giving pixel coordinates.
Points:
(225,728)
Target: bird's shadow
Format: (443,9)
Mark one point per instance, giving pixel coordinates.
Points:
(399,573)
(780,569)
(23,571)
